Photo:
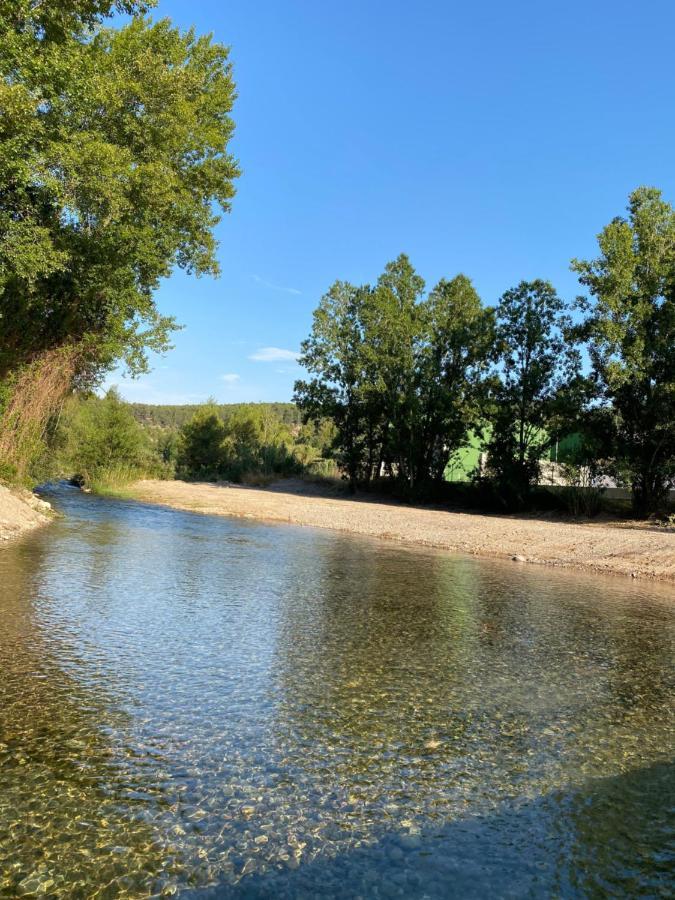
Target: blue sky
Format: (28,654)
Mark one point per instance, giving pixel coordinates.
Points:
(490,138)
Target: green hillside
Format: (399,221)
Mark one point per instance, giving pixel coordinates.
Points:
(176,416)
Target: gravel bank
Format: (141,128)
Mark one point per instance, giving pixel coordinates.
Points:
(628,549)
(20,511)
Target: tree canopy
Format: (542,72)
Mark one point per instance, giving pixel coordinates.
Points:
(410,378)
(114,163)
(397,371)
(536,368)
(630,333)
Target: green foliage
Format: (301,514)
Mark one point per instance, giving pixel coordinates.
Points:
(393,332)
(251,442)
(630,332)
(113,161)
(454,358)
(56,21)
(334,354)
(98,441)
(531,393)
(201,453)
(170,417)
(314,444)
(102,444)
(397,373)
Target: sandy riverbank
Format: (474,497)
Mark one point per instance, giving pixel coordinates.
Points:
(609,548)
(20,511)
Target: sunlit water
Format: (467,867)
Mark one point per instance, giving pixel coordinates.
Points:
(208,707)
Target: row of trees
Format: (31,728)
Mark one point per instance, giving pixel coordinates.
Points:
(114,165)
(103,443)
(251,442)
(406,376)
(398,373)
(175,416)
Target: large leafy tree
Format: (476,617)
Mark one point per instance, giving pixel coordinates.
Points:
(113,164)
(457,344)
(392,328)
(630,330)
(334,356)
(538,367)
(397,372)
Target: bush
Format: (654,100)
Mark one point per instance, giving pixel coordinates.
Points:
(249,446)
(201,452)
(98,442)
(584,496)
(583,501)
(323,468)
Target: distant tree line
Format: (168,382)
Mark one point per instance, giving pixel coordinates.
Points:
(406,376)
(103,443)
(168,416)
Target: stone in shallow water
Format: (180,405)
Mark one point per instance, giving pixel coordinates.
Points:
(193,678)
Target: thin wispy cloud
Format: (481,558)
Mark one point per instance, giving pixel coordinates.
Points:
(274,354)
(230,378)
(146,391)
(275,287)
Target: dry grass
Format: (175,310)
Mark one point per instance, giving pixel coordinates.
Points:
(35,395)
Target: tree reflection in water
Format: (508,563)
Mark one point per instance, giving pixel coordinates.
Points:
(200,705)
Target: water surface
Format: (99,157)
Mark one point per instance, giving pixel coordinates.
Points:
(203,707)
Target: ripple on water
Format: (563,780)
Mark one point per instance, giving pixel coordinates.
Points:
(206,707)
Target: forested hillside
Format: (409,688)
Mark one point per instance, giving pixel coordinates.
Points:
(168,416)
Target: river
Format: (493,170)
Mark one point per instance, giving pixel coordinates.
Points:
(206,707)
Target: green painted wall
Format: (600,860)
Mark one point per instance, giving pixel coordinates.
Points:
(464,462)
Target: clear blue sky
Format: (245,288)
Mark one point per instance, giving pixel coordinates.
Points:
(490,138)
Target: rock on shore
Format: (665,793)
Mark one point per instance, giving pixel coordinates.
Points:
(20,511)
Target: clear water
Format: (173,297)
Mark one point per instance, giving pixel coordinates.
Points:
(206,707)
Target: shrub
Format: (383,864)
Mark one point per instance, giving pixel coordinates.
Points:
(201,452)
(98,441)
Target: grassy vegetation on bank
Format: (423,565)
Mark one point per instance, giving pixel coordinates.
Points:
(104,443)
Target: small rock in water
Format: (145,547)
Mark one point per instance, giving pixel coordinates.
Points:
(409,841)
(519,558)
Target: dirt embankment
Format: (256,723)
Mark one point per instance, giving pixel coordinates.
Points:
(618,548)
(20,511)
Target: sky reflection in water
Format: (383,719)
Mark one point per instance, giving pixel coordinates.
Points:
(212,708)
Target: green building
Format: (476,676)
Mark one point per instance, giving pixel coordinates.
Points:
(467,460)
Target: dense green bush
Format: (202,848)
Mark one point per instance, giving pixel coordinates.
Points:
(200,452)
(251,444)
(98,442)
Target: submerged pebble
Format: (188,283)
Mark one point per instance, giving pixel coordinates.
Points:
(306,714)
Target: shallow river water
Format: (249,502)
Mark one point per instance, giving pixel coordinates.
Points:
(203,707)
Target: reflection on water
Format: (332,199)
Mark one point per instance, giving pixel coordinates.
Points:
(211,708)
